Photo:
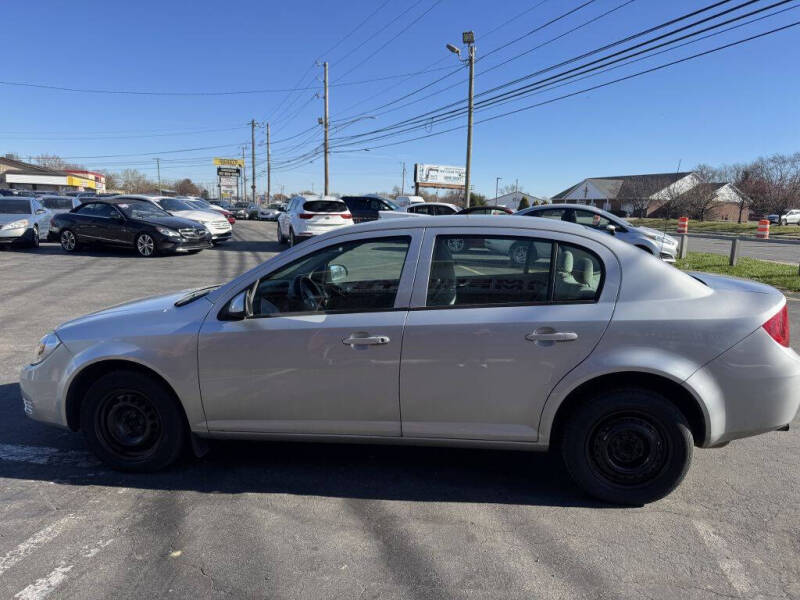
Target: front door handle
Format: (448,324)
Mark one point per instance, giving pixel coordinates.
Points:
(551,336)
(375,340)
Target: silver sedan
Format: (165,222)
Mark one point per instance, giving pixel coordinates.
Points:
(381,332)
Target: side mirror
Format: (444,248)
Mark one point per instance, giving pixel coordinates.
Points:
(611,229)
(337,273)
(237,307)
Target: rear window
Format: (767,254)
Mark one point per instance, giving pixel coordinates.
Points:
(57,203)
(325,206)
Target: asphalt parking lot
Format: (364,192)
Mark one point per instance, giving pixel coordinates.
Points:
(278,520)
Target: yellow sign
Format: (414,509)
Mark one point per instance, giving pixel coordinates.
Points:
(229,162)
(76,181)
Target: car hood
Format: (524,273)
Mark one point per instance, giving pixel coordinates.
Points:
(142,317)
(4,218)
(170,221)
(203,216)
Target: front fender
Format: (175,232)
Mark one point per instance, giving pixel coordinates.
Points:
(175,363)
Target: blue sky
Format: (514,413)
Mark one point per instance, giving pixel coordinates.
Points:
(726,107)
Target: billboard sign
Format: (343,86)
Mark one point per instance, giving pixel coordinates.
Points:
(226,181)
(229,162)
(228,172)
(441,176)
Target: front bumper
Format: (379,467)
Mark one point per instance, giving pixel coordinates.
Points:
(44,388)
(184,245)
(221,237)
(12,236)
(752,388)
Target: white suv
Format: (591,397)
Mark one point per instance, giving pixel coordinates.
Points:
(307,216)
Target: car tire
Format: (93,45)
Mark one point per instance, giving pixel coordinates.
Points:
(145,245)
(35,241)
(281,239)
(627,446)
(518,254)
(784,222)
(132,423)
(68,240)
(292,238)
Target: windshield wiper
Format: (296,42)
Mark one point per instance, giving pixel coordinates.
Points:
(194,295)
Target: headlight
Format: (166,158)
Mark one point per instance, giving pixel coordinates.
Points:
(47,344)
(16,224)
(168,232)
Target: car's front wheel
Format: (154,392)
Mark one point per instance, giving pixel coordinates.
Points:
(131,422)
(784,222)
(292,239)
(627,446)
(35,241)
(281,239)
(145,245)
(69,243)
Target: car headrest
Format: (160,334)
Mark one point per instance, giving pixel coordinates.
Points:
(565,261)
(585,271)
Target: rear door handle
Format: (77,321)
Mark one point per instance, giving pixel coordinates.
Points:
(375,340)
(552,336)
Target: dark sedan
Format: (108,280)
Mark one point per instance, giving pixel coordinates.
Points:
(129,223)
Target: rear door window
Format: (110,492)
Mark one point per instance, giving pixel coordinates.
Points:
(57,203)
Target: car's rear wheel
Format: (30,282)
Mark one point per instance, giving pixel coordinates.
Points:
(131,422)
(281,239)
(784,222)
(69,243)
(145,245)
(292,239)
(627,446)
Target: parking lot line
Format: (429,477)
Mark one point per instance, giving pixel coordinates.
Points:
(733,570)
(43,587)
(38,539)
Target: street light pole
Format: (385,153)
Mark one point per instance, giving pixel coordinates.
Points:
(269,169)
(468,38)
(326,125)
(253,158)
(158,168)
(497,187)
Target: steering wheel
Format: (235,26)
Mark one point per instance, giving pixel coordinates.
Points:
(310,293)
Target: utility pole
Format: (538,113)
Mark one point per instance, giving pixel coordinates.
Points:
(158,168)
(497,187)
(403,182)
(326,125)
(253,157)
(468,38)
(269,169)
(243,197)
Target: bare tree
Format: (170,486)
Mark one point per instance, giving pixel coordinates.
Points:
(136,182)
(701,199)
(55,162)
(185,187)
(738,175)
(776,182)
(12,156)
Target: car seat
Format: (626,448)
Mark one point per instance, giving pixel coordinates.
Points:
(442,281)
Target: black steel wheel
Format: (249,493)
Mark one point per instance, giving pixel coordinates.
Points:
(627,446)
(132,423)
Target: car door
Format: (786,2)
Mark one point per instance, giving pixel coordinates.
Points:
(42,217)
(85,223)
(112,227)
(295,368)
(486,340)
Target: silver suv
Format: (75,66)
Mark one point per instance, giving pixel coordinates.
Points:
(650,240)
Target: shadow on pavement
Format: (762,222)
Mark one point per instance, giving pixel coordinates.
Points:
(335,470)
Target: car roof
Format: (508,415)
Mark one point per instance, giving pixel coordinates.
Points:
(588,207)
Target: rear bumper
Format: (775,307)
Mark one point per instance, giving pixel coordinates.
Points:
(752,388)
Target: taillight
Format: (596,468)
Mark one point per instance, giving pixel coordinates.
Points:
(778,327)
(346,216)
(306,216)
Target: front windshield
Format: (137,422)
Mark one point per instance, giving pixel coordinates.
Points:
(15,207)
(171,204)
(135,209)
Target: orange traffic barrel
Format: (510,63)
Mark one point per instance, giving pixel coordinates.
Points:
(683,225)
(763,229)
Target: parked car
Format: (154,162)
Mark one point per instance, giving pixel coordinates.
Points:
(23,221)
(240,210)
(57,205)
(201,204)
(650,240)
(369,208)
(270,212)
(432,209)
(378,332)
(132,223)
(9,192)
(307,216)
(791,217)
(406,201)
(486,210)
(252,211)
(217,225)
